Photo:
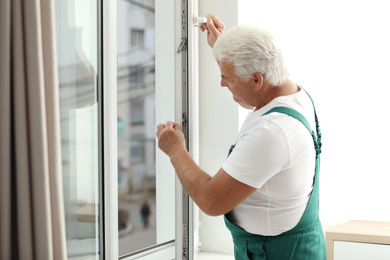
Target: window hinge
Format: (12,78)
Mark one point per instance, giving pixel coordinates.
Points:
(182,46)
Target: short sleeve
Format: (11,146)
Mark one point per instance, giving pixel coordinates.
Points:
(260,152)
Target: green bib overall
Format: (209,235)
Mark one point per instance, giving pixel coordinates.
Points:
(306,240)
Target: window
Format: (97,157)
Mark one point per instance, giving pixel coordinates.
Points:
(137,75)
(137,38)
(79,70)
(146,199)
(137,151)
(156,30)
(142,197)
(137,112)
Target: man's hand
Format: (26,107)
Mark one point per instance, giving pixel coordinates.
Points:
(214,195)
(214,28)
(170,138)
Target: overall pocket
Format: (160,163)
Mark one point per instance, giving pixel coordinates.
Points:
(249,250)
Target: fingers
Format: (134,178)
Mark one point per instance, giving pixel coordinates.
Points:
(203,27)
(160,128)
(176,126)
(168,125)
(212,21)
(211,16)
(211,27)
(214,28)
(170,138)
(173,125)
(216,22)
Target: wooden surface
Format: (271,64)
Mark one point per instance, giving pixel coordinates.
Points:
(364,231)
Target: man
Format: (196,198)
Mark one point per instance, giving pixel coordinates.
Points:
(265,188)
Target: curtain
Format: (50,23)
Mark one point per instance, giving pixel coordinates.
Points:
(32,217)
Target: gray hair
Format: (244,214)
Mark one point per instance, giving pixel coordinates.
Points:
(251,49)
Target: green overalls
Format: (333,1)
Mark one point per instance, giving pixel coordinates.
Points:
(306,240)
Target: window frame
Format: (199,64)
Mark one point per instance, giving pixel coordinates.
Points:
(109,209)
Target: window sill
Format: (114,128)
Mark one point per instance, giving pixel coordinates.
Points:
(214,256)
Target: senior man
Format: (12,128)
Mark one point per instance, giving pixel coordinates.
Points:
(268,186)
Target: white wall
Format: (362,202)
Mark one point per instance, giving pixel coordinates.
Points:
(339,51)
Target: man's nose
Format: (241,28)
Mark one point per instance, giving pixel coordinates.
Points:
(223,83)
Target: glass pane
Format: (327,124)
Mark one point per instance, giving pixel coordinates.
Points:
(77,46)
(136,125)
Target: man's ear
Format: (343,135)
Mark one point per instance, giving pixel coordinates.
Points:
(258,80)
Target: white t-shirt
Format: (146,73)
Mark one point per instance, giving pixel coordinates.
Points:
(275,154)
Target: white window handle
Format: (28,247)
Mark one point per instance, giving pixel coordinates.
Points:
(199,20)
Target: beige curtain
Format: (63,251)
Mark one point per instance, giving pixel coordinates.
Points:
(31,204)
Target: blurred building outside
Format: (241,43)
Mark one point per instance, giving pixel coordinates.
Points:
(136,123)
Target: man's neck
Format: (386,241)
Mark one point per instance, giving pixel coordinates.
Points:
(270,92)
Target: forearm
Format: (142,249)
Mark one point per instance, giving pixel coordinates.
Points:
(194,180)
(214,195)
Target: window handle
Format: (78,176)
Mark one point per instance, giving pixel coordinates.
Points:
(199,20)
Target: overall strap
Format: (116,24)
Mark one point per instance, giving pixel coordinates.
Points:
(295,114)
(318,130)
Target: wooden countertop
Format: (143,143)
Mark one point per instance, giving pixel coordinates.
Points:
(365,231)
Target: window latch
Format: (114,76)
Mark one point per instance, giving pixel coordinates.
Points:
(182,46)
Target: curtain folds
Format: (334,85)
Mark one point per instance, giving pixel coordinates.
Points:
(32,222)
